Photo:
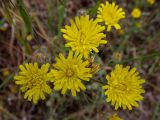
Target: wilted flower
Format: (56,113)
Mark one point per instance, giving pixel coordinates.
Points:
(117,56)
(94,67)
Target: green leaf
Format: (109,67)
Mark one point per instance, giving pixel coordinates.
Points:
(8,15)
(5,82)
(25,15)
(60,19)
(93,10)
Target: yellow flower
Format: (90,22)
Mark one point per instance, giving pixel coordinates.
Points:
(33,81)
(114,117)
(124,87)
(5,72)
(69,73)
(151,2)
(29,37)
(136,13)
(84,35)
(110,13)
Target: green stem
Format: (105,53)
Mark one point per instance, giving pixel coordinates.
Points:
(156,111)
(98,81)
(60,18)
(136,58)
(5,82)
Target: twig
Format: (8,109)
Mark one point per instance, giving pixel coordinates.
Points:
(12,39)
(154,86)
(13,117)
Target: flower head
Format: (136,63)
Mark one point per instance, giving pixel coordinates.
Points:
(69,73)
(114,117)
(124,87)
(84,35)
(29,37)
(151,2)
(33,81)
(110,13)
(136,13)
(6,72)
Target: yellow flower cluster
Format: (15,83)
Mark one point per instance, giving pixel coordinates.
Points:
(84,35)
(67,74)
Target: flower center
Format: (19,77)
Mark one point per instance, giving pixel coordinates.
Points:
(120,88)
(82,37)
(36,79)
(69,73)
(110,17)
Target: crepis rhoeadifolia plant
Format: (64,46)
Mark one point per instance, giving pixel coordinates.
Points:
(84,35)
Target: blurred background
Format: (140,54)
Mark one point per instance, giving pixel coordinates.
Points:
(30,31)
